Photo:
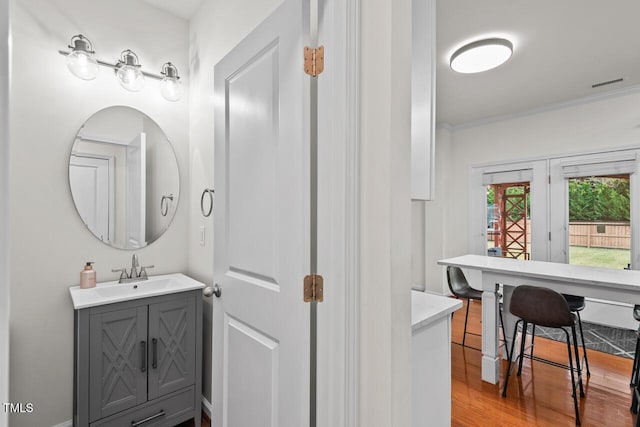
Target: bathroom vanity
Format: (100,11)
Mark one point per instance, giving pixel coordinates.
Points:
(138,353)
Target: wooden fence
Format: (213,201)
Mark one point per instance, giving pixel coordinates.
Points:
(615,235)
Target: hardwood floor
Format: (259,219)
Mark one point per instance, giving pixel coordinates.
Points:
(206,422)
(542,395)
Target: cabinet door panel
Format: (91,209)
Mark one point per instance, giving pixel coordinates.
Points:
(172,358)
(117,381)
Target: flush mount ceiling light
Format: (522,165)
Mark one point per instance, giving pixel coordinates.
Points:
(481,55)
(84,65)
(81,61)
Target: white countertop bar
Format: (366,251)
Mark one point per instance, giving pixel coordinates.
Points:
(427,308)
(602,283)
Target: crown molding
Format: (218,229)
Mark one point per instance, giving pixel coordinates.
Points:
(629,90)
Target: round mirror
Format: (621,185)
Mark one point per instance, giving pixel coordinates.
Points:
(124,177)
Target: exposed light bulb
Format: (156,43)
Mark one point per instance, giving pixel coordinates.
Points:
(171,89)
(128,72)
(170,86)
(80,61)
(130,78)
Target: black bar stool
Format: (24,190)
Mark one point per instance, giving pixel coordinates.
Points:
(545,307)
(576,305)
(460,288)
(636,369)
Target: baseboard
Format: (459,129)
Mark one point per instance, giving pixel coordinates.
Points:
(68,423)
(206,407)
(618,315)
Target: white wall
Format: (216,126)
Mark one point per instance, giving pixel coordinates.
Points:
(213,31)
(4,208)
(49,242)
(427,231)
(593,126)
(385,213)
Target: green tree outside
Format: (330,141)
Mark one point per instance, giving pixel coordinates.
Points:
(599,199)
(590,199)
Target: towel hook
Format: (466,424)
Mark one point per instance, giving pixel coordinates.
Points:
(210,192)
(164,204)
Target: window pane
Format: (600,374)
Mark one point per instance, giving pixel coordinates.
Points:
(599,221)
(508,220)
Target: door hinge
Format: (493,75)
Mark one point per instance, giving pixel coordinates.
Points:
(313,288)
(313,60)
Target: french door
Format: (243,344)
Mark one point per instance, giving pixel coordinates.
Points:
(508,214)
(577,184)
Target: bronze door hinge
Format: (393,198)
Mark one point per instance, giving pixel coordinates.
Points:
(313,288)
(313,60)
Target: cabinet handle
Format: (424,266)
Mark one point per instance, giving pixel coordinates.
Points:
(146,420)
(154,351)
(143,356)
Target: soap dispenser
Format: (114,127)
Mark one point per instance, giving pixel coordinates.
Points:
(88,276)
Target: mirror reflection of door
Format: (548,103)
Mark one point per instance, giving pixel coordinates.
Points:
(136,192)
(92,178)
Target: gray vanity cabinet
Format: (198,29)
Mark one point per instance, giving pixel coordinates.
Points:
(116,356)
(172,339)
(138,363)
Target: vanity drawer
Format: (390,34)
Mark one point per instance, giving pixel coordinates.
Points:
(175,408)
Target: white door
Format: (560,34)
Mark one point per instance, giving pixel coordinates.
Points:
(136,193)
(89,178)
(261,224)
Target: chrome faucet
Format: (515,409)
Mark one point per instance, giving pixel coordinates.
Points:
(134,266)
(134,275)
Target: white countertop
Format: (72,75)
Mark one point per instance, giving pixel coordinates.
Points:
(579,274)
(111,292)
(427,308)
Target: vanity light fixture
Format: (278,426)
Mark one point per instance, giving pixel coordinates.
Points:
(481,55)
(81,61)
(84,65)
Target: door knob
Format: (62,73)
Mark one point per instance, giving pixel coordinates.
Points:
(212,290)
(217,290)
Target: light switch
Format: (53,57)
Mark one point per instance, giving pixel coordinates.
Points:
(202,234)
